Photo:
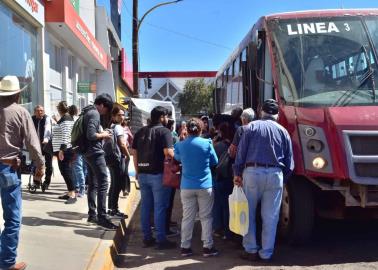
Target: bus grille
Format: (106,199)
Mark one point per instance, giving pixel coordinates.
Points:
(362,156)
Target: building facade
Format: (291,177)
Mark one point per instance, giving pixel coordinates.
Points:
(61,50)
(21,27)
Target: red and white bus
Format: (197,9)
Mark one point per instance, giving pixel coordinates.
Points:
(322,68)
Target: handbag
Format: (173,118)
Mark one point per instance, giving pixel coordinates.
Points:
(239,212)
(172,173)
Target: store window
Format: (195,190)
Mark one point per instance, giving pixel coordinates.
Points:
(18,54)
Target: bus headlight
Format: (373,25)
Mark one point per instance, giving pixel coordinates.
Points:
(319,163)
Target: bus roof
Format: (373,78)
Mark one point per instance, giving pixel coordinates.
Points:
(291,15)
(324,12)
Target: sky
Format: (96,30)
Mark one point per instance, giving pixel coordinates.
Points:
(199,35)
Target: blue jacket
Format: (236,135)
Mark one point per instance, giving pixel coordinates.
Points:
(197,155)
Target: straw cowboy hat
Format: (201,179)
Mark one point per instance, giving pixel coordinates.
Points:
(10,85)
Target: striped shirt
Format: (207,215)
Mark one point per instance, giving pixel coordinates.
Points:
(61,139)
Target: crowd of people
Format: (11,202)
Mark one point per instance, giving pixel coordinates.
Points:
(257,156)
(215,154)
(87,170)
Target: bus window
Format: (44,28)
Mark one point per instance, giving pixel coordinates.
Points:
(236,67)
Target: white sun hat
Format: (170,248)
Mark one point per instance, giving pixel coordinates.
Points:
(10,85)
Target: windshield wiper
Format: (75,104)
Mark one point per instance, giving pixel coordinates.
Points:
(342,100)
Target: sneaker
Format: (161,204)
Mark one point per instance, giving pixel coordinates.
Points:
(81,195)
(92,219)
(249,256)
(186,252)
(210,252)
(71,200)
(171,233)
(117,214)
(149,242)
(107,224)
(165,245)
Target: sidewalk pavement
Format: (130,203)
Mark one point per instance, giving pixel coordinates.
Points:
(57,236)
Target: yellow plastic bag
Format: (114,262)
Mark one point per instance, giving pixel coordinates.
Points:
(239,212)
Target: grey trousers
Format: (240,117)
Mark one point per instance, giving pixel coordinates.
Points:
(194,200)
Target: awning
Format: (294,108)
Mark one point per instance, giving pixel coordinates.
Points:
(62,18)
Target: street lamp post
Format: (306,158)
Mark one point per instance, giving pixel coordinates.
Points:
(136,26)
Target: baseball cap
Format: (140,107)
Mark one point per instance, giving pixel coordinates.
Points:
(270,106)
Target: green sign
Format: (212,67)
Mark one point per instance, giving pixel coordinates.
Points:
(84,87)
(76,5)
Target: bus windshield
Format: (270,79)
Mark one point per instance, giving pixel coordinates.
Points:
(327,61)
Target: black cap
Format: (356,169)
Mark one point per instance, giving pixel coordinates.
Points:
(270,106)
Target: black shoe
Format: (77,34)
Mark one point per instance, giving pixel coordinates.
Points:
(252,257)
(45,186)
(210,252)
(107,224)
(64,197)
(171,233)
(186,252)
(117,214)
(165,245)
(149,242)
(71,200)
(92,219)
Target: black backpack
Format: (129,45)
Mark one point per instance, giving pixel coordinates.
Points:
(111,149)
(78,136)
(146,147)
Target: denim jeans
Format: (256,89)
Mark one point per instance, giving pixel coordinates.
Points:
(221,211)
(265,185)
(10,191)
(154,196)
(97,185)
(79,173)
(203,201)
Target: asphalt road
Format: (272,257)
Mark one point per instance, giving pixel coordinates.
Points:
(335,245)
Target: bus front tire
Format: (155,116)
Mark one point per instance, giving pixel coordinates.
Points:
(297,212)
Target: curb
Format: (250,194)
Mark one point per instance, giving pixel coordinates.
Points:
(112,250)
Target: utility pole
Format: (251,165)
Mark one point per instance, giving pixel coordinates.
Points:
(135,49)
(136,26)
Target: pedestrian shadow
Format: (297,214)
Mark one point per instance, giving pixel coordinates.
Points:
(36,221)
(99,233)
(334,244)
(67,215)
(40,197)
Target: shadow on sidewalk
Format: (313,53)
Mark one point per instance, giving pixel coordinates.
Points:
(68,215)
(335,243)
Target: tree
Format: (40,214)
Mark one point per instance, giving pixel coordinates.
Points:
(196,98)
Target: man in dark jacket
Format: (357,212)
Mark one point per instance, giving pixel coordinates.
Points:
(95,157)
(42,124)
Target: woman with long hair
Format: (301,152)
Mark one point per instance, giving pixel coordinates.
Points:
(117,167)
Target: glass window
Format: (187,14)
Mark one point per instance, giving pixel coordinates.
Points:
(18,53)
(236,66)
(326,61)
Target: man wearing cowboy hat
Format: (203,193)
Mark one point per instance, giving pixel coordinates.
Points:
(16,128)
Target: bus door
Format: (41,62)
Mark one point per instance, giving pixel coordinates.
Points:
(263,70)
